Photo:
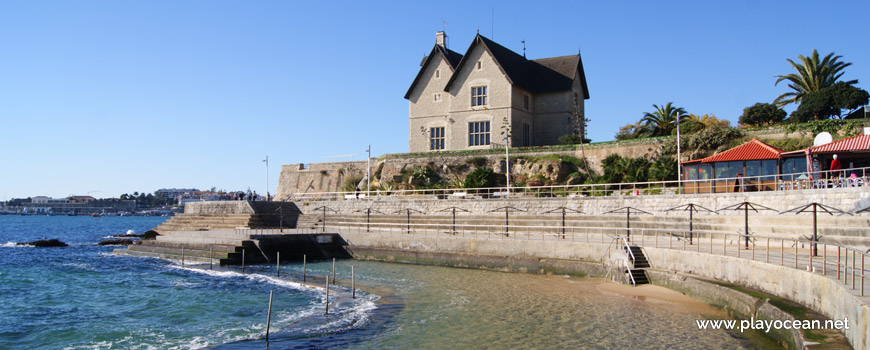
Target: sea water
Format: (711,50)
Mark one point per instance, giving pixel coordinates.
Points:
(83,297)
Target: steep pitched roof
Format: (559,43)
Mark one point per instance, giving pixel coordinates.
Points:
(752,150)
(849,144)
(451,57)
(539,76)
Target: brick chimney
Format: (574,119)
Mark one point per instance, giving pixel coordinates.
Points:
(441,39)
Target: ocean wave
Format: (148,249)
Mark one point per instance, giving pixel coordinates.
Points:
(15,245)
(255,277)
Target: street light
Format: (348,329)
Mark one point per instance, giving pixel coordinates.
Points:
(679,169)
(507,163)
(368,170)
(267,177)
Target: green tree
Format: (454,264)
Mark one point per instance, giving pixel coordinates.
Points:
(761,114)
(663,169)
(480,177)
(829,102)
(663,120)
(632,131)
(812,75)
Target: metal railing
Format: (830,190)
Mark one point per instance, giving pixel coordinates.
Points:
(831,260)
(779,182)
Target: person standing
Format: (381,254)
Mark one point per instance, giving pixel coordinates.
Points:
(835,171)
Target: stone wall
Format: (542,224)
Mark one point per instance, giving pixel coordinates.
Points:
(317,177)
(218,208)
(329,177)
(825,295)
(849,230)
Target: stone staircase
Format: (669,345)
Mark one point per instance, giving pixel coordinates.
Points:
(217,232)
(218,247)
(843,229)
(207,222)
(639,266)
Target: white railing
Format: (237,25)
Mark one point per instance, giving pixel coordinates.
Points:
(798,253)
(782,182)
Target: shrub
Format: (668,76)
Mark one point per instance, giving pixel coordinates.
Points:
(480,177)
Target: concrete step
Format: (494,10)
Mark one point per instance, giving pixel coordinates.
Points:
(187,252)
(168,256)
(639,276)
(201,240)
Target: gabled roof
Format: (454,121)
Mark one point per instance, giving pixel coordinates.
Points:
(538,76)
(752,150)
(451,57)
(849,144)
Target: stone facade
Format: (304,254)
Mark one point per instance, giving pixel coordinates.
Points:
(535,101)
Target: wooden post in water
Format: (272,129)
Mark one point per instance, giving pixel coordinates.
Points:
(333,270)
(269,316)
(327,296)
(278,265)
(303,267)
(210,258)
(353,281)
(243,261)
(182,256)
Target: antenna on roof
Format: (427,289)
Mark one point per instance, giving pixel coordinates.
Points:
(524,48)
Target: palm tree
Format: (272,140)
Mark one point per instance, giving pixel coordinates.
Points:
(813,75)
(664,119)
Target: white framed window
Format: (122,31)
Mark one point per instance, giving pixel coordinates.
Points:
(436,97)
(436,138)
(478,96)
(527,102)
(478,133)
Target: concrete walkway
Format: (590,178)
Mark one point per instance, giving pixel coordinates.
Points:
(849,266)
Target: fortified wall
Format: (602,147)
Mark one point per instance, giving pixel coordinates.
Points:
(330,177)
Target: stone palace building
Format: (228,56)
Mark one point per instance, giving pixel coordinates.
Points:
(472,101)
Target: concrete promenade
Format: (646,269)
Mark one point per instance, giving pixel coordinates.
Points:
(835,283)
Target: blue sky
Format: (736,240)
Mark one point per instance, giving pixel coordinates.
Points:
(110,97)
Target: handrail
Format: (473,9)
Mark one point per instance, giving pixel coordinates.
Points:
(815,180)
(606,251)
(557,231)
(628,250)
(848,259)
(630,275)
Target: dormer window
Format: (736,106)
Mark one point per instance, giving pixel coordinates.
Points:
(478,96)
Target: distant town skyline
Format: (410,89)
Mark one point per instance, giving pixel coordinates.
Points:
(102,98)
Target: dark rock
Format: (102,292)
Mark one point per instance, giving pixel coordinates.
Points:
(150,234)
(46,243)
(119,241)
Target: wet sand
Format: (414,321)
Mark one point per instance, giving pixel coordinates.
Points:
(662,297)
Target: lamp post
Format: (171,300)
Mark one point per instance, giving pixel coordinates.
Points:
(267,176)
(368,171)
(679,169)
(507,163)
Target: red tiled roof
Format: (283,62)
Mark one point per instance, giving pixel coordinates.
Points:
(851,144)
(752,150)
